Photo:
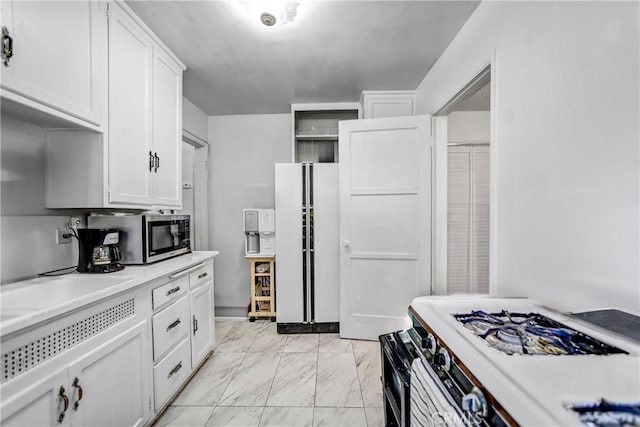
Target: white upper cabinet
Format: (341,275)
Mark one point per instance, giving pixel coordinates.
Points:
(130,138)
(377,104)
(137,162)
(59,59)
(167,130)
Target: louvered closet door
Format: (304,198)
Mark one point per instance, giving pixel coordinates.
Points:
(468,219)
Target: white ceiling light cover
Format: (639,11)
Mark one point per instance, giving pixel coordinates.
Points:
(271,12)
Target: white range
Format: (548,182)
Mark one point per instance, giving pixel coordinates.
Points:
(483,340)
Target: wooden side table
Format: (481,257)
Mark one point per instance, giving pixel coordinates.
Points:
(263,288)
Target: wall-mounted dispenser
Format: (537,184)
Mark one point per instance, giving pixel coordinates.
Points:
(259,231)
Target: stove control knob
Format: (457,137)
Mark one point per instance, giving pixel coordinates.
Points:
(430,344)
(442,358)
(475,403)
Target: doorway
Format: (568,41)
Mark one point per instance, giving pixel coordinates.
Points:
(463,190)
(195,154)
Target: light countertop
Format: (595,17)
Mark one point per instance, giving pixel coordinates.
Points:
(27,303)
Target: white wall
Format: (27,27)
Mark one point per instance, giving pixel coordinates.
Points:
(243,150)
(27,228)
(188,193)
(468,126)
(565,141)
(194,120)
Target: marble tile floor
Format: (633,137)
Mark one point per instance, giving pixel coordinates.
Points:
(256,377)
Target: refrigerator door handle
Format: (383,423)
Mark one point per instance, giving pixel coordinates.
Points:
(305,244)
(312,257)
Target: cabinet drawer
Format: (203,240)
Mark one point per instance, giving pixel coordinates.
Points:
(169,291)
(202,275)
(170,326)
(171,372)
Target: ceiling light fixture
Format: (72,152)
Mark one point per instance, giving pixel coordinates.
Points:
(272,12)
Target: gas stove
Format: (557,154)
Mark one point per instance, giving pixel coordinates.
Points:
(510,361)
(531,333)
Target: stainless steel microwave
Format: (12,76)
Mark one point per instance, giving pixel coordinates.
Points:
(147,238)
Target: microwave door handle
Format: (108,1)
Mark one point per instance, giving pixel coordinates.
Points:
(187,271)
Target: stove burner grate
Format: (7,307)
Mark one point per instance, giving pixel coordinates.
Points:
(531,333)
(607,414)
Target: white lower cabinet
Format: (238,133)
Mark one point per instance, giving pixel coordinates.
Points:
(107,386)
(115,362)
(110,385)
(170,326)
(41,404)
(183,333)
(171,372)
(201,319)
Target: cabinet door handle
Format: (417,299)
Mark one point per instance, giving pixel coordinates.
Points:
(7,46)
(78,387)
(157,162)
(151,161)
(205,274)
(175,369)
(173,290)
(195,324)
(173,325)
(65,401)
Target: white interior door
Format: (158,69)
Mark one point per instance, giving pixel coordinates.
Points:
(385,218)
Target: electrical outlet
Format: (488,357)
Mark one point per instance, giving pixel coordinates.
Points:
(60,236)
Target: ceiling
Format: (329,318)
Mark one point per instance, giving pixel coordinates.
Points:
(331,52)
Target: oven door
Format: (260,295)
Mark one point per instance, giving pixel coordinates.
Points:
(396,378)
(430,405)
(167,236)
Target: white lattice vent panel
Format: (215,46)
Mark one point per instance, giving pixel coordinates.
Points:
(32,354)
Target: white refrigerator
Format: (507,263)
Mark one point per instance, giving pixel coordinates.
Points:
(307,248)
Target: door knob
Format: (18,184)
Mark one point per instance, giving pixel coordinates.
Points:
(346,243)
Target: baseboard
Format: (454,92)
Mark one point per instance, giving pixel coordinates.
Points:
(231,312)
(308,328)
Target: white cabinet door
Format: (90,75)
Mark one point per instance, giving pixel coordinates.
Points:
(42,404)
(130,138)
(201,322)
(167,130)
(385,218)
(59,55)
(111,386)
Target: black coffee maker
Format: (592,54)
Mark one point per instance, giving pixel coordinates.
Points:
(99,250)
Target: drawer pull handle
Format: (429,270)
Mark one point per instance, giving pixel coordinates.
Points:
(173,291)
(175,369)
(205,274)
(173,325)
(187,271)
(65,401)
(76,384)
(195,324)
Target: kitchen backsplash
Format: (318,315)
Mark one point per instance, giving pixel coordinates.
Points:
(28,229)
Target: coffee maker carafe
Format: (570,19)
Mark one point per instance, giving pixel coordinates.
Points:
(99,250)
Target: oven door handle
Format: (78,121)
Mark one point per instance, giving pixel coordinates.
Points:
(397,362)
(187,271)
